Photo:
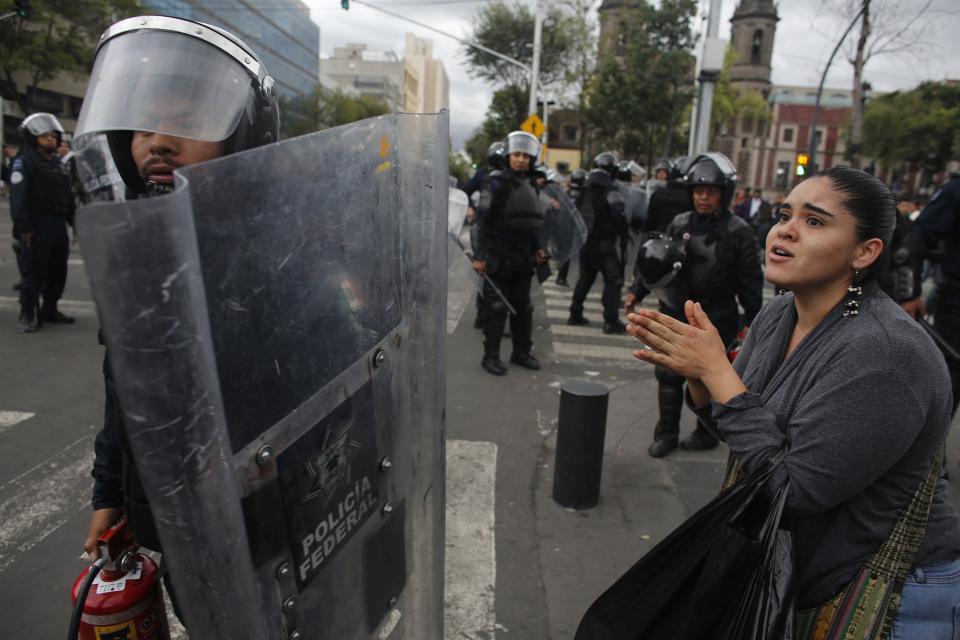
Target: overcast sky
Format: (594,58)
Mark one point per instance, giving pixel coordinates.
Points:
(805,36)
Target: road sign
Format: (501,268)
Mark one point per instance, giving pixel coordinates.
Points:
(533,125)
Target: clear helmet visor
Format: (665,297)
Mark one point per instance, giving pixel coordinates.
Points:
(523,142)
(163,82)
(38,124)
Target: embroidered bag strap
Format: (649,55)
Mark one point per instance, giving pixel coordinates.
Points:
(867,607)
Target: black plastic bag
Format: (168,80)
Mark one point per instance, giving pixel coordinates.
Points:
(725,573)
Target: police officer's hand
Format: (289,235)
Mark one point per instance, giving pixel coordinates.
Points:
(471,214)
(479,266)
(100,521)
(540,256)
(554,204)
(629,301)
(27,238)
(915,308)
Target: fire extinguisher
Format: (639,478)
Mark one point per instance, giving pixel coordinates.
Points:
(118,597)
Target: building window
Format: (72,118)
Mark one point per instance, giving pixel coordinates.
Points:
(788,135)
(783,174)
(569,133)
(756,51)
(819,138)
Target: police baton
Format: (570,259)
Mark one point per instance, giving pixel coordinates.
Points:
(496,289)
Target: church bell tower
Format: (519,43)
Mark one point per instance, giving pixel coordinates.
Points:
(753,26)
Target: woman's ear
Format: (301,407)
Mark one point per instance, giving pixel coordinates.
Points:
(867,253)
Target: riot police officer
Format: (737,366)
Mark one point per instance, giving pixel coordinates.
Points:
(41,205)
(509,214)
(601,204)
(935,236)
(495,164)
(719,265)
(146,143)
(668,199)
(577,179)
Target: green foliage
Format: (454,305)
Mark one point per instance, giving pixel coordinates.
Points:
(508,29)
(58,36)
(507,111)
(460,168)
(323,108)
(638,98)
(920,127)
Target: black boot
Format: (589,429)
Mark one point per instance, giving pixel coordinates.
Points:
(663,444)
(27,322)
(526,361)
(492,364)
(577,319)
(614,328)
(52,315)
(699,440)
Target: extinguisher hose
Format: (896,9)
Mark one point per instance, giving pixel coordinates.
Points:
(82,597)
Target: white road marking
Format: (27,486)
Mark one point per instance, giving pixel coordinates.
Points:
(79,308)
(10,418)
(566,295)
(43,499)
(594,351)
(565,331)
(456,304)
(471,562)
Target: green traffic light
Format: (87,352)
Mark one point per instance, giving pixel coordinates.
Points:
(801,170)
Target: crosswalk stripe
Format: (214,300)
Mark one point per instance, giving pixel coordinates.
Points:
(565,294)
(594,333)
(470,567)
(593,351)
(79,308)
(10,418)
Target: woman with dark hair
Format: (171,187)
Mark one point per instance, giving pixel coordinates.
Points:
(850,394)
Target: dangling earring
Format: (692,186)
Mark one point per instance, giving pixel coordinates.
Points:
(854,290)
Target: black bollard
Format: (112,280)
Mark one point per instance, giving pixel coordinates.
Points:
(580,434)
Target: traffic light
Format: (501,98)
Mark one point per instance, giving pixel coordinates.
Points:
(345,4)
(802,161)
(22,8)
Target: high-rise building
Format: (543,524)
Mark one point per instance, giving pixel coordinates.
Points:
(357,71)
(283,35)
(425,86)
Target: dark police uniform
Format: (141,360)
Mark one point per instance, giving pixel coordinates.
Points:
(935,236)
(41,203)
(601,204)
(665,204)
(722,266)
(509,213)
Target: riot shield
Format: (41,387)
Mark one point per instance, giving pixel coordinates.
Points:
(457,206)
(276,331)
(563,231)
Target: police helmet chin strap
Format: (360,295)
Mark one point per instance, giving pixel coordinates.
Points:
(157,189)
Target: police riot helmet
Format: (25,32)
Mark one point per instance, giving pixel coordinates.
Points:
(659,260)
(715,170)
(553,177)
(523,142)
(607,161)
(578,177)
(627,170)
(495,155)
(180,78)
(37,124)
(540,171)
(678,169)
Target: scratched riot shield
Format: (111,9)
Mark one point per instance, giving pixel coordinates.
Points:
(563,231)
(275,328)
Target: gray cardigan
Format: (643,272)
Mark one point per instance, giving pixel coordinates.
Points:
(860,407)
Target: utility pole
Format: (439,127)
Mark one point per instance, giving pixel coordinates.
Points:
(711,64)
(535,68)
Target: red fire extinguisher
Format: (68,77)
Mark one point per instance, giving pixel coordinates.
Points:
(118,597)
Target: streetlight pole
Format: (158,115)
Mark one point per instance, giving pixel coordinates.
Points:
(711,62)
(535,71)
(812,150)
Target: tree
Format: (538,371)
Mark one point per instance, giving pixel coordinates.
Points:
(887,27)
(920,127)
(58,36)
(323,108)
(637,99)
(501,119)
(583,62)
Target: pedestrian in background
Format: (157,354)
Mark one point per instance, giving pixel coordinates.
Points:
(848,398)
